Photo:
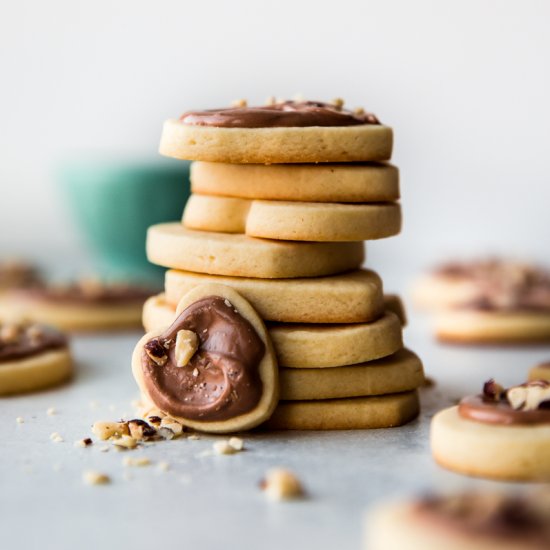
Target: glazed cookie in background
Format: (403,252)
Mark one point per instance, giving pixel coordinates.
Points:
(310,346)
(172,245)
(463,521)
(18,274)
(499,434)
(352,297)
(540,372)
(399,372)
(348,183)
(293,221)
(32,357)
(357,413)
(279,132)
(213,369)
(85,305)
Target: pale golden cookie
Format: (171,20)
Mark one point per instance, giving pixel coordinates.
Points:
(211,396)
(172,245)
(393,303)
(299,182)
(540,372)
(309,345)
(365,142)
(357,413)
(399,372)
(293,221)
(352,297)
(509,452)
(471,326)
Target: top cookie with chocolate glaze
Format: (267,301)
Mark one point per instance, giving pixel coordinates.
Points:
(280,132)
(214,368)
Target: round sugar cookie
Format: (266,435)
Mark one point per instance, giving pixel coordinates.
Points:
(172,245)
(283,132)
(463,521)
(309,345)
(293,221)
(213,369)
(470,326)
(352,297)
(32,357)
(355,183)
(357,413)
(399,372)
(495,451)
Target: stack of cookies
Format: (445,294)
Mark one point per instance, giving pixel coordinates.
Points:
(283,197)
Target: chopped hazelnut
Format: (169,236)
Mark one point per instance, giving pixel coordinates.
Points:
(224,448)
(237,443)
(156,352)
(281,484)
(124,442)
(51,411)
(166,433)
(86,442)
(529,397)
(133,461)
(492,390)
(9,334)
(187,343)
(239,103)
(95,478)
(172,424)
(105,430)
(359,111)
(337,102)
(140,430)
(56,438)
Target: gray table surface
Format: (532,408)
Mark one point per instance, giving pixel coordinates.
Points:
(209,501)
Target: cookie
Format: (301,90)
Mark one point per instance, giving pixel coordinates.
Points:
(213,369)
(352,297)
(172,245)
(540,372)
(286,132)
(86,305)
(310,345)
(32,357)
(463,521)
(356,413)
(500,434)
(472,326)
(393,303)
(293,221)
(18,274)
(399,372)
(349,183)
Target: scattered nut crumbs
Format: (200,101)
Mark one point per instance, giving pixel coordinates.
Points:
(230,447)
(85,442)
(55,437)
(124,442)
(194,437)
(237,443)
(51,411)
(132,461)
(20,420)
(92,477)
(104,449)
(239,103)
(163,466)
(281,484)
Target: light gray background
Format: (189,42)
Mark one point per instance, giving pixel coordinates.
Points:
(464,84)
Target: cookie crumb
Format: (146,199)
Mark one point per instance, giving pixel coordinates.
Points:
(105,430)
(124,442)
(239,103)
(224,448)
(281,484)
(139,461)
(163,466)
(194,437)
(104,449)
(337,102)
(56,438)
(51,411)
(85,442)
(20,420)
(237,443)
(92,477)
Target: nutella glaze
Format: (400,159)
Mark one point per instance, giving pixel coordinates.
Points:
(28,340)
(524,519)
(278,115)
(496,409)
(221,380)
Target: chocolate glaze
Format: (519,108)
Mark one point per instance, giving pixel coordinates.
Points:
(523,519)
(477,407)
(31,340)
(222,380)
(284,114)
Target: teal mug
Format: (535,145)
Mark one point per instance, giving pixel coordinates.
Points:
(113,202)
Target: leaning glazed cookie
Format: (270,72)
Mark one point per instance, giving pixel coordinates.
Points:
(283,132)
(464,521)
(293,221)
(213,369)
(32,357)
(499,434)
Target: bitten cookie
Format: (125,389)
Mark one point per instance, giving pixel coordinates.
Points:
(86,305)
(293,221)
(32,357)
(172,245)
(399,372)
(352,297)
(213,369)
(386,411)
(350,183)
(500,434)
(463,521)
(285,132)
(309,345)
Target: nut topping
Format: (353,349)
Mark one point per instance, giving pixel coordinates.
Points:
(156,352)
(187,344)
(492,390)
(530,396)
